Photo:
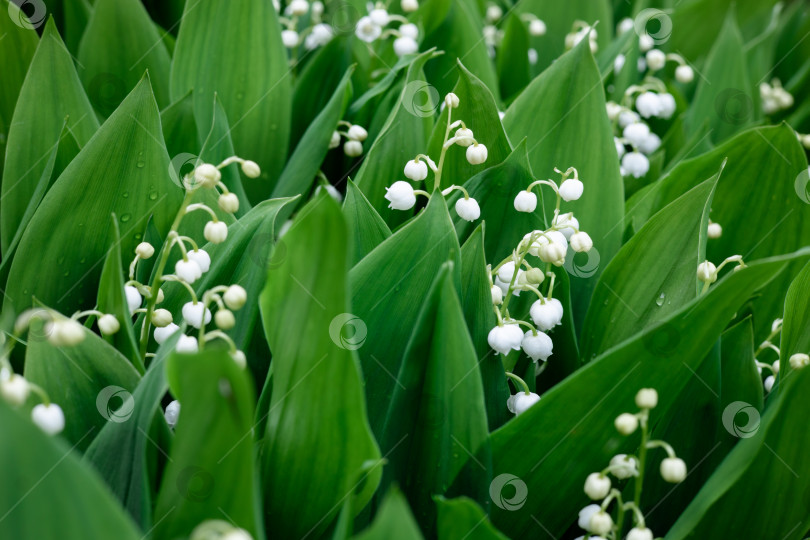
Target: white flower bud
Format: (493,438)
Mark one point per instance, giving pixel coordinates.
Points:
(571,189)
(476,154)
(645,43)
(379,16)
(505,338)
(640,533)
(298,7)
(49,418)
(533,56)
(353,148)
(15,390)
(799,360)
(187,344)
(189,271)
(656,59)
(626,423)
(416,170)
(215,232)
(451,100)
(537,347)
(624,26)
(409,30)
(405,45)
(235,297)
(251,169)
(228,202)
(707,272)
(172,413)
(401,195)
(520,402)
(673,470)
(636,164)
(525,201)
(494,12)
(317,8)
(597,486)
(144,250)
(535,276)
(224,319)
(357,133)
(546,315)
(714,230)
(134,298)
(537,28)
(586,514)
(619,62)
(193,314)
(65,333)
(601,523)
(201,257)
(160,296)
(409,6)
(497,295)
(334,142)
(207,175)
(613,110)
(464,137)
(684,74)
(647,398)
(239,358)
(769,382)
(468,209)
(289,38)
(161,318)
(581,242)
(108,324)
(622,466)
(162,334)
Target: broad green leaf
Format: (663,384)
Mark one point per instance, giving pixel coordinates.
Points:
(76,16)
(112,300)
(317,415)
(366,228)
(573,131)
(476,299)
(740,380)
(404,135)
(568,434)
(122,170)
(51,92)
(305,161)
(795,338)
(653,275)
(118,45)
(180,133)
(43,473)
(478,111)
(462,518)
(513,58)
(394,521)
(388,288)
(437,418)
(252,79)
(121,451)
(90,381)
(460,37)
(776,223)
(725,94)
(211,469)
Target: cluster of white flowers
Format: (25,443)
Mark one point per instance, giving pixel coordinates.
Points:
(493,36)
(516,273)
(313,36)
(796,360)
(373,27)
(402,195)
(774,97)
(579,31)
(596,519)
(354,135)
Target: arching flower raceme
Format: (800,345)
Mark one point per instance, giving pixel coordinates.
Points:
(401,195)
(193,314)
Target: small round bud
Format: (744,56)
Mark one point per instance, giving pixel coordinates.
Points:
(409,30)
(172,413)
(537,28)
(357,133)
(571,189)
(647,398)
(240,358)
(201,257)
(251,169)
(134,298)
(597,486)
(65,333)
(476,154)
(187,344)
(144,250)
(645,43)
(189,271)
(673,470)
(640,533)
(451,100)
(353,148)
(228,202)
(379,16)
(207,175)
(162,334)
(715,230)
(235,297)
(161,318)
(334,142)
(49,418)
(684,74)
(108,324)
(289,38)
(581,242)
(409,6)
(656,59)
(224,319)
(769,382)
(707,272)
(195,313)
(799,360)
(601,523)
(468,209)
(298,7)
(623,467)
(525,201)
(416,170)
(15,390)
(464,137)
(160,296)
(215,232)
(494,12)
(535,276)
(497,295)
(626,423)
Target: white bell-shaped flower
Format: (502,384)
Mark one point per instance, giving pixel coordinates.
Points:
(656,59)
(145,250)
(49,418)
(134,298)
(668,105)
(799,360)
(601,523)
(367,30)
(416,170)
(15,390)
(636,132)
(585,515)
(162,334)
(401,195)
(627,117)
(409,6)
(298,7)
(636,164)
(497,295)
(228,202)
(405,45)
(715,230)
(537,28)
(571,189)
(520,402)
(189,271)
(597,486)
(626,423)
(581,242)
(289,38)
(334,142)
(769,382)
(537,347)
(650,144)
(707,272)
(567,224)
(235,297)
(215,232)
(546,315)
(379,16)
(65,333)
(640,533)
(201,257)
(525,201)
(684,74)
(161,318)
(193,314)
(320,35)
(476,154)
(647,398)
(622,466)
(108,324)
(673,470)
(409,30)
(553,253)
(620,149)
(468,209)
(357,133)
(207,175)
(187,344)
(505,338)
(464,137)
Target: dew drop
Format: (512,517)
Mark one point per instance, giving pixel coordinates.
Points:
(660,300)
(153,195)
(125,194)
(140,164)
(125,218)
